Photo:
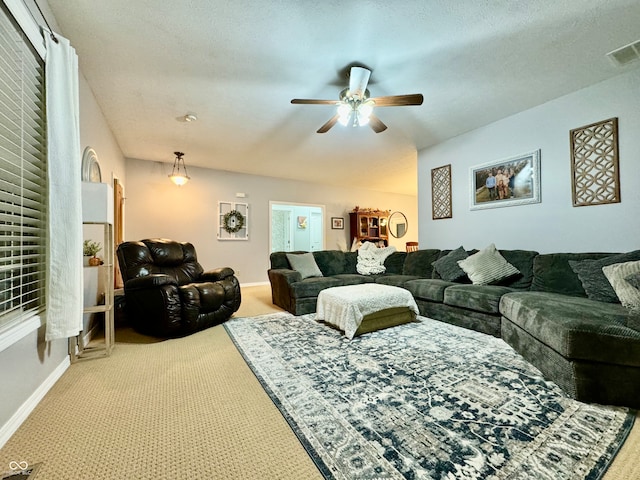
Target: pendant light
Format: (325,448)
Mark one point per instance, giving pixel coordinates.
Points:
(179,173)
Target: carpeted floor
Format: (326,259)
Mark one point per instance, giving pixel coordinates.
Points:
(188,408)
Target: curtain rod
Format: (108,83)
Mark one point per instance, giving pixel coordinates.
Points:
(53,37)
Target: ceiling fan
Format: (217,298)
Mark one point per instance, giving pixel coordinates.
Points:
(355,106)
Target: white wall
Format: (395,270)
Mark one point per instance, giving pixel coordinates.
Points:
(96,133)
(553,225)
(157,208)
(28,364)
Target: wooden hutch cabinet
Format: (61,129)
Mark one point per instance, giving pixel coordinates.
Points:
(370,226)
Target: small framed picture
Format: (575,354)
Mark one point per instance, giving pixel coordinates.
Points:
(337,223)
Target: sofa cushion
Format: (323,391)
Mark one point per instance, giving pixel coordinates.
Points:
(431,289)
(279,260)
(394,280)
(350,262)
(331,262)
(576,328)
(487,266)
(395,262)
(616,274)
(447,266)
(523,261)
(552,273)
(481,298)
(634,280)
(419,263)
(593,281)
(353,278)
(311,287)
(305,264)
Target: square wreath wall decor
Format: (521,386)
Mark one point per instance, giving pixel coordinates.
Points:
(233,221)
(595,177)
(441,192)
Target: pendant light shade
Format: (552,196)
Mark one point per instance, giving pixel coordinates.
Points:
(179,173)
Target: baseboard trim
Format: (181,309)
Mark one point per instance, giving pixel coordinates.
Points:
(91,333)
(18,418)
(254,284)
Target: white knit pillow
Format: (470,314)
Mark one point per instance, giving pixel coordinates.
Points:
(487,266)
(616,274)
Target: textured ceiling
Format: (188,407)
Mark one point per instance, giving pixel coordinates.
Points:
(238,64)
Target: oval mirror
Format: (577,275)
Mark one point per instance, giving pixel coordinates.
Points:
(398,224)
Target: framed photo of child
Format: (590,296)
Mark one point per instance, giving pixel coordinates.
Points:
(506,183)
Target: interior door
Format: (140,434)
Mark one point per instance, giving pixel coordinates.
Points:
(286,235)
(315,231)
(281,230)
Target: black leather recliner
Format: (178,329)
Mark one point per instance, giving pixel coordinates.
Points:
(168,293)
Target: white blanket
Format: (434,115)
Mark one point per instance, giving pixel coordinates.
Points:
(345,307)
(371,258)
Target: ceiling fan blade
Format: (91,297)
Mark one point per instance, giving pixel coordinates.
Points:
(306,101)
(327,126)
(358,80)
(376,124)
(399,100)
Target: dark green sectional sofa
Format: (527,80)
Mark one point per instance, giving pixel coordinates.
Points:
(591,349)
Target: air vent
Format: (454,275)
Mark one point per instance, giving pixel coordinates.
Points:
(625,55)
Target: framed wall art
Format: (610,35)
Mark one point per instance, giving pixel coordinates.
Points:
(233,221)
(441,192)
(505,183)
(337,223)
(595,175)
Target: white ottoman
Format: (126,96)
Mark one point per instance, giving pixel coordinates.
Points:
(357,309)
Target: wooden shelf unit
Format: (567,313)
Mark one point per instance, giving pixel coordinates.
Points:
(77,347)
(370,226)
(97,199)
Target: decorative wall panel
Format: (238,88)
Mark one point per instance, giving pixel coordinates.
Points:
(441,192)
(595,177)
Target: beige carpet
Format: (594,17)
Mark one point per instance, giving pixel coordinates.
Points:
(187,408)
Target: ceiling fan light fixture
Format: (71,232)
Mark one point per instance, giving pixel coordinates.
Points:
(344,112)
(179,173)
(355,106)
(361,120)
(344,120)
(365,109)
(358,80)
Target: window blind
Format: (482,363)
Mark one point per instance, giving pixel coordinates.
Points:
(23,183)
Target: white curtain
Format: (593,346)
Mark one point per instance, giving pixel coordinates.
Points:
(64,273)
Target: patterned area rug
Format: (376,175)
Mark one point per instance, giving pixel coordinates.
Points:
(424,400)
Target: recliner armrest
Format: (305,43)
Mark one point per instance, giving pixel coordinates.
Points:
(149,281)
(216,274)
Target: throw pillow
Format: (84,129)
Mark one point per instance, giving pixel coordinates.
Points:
(595,284)
(487,266)
(616,274)
(305,264)
(447,266)
(634,280)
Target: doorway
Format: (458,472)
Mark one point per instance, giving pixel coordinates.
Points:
(295,227)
